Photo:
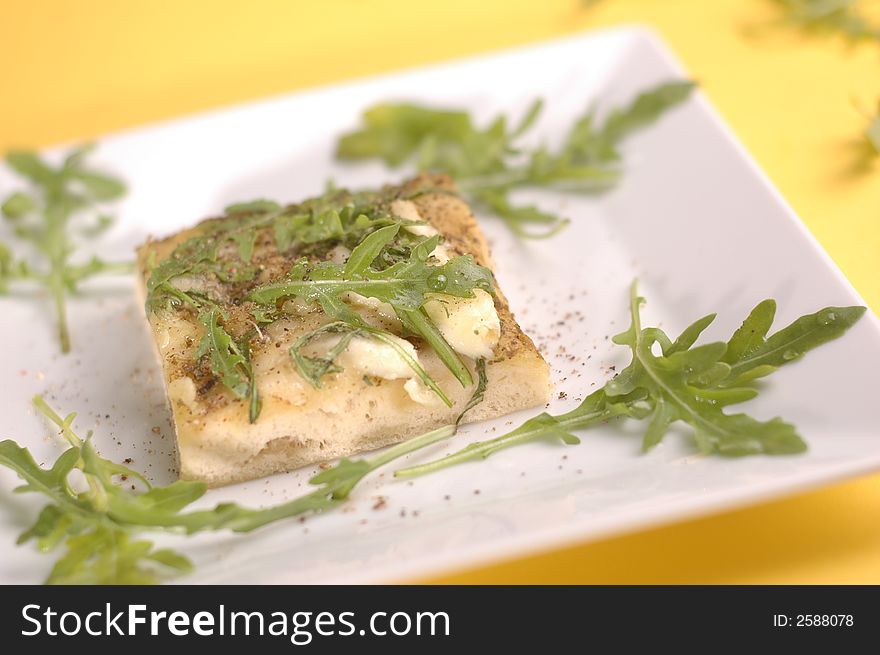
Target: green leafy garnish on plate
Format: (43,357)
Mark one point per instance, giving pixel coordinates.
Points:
(671,381)
(98,515)
(488,163)
(100,522)
(43,215)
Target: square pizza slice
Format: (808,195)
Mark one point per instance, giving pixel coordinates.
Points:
(291,335)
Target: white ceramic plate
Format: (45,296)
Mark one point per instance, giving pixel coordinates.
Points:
(694,219)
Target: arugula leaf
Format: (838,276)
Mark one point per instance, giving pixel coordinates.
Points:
(261,206)
(671,382)
(11,269)
(872,133)
(362,257)
(43,215)
(488,164)
(99,527)
(109,556)
(751,354)
(18,204)
(228,360)
(184,259)
(420,324)
(246,241)
(843,17)
(403,284)
(687,383)
(594,409)
(480,391)
(336,217)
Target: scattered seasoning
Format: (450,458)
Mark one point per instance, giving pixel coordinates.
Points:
(381,502)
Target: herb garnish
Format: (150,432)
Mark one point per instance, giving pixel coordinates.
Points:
(100,525)
(829,16)
(872,133)
(404,285)
(42,215)
(387,262)
(488,165)
(230,361)
(687,383)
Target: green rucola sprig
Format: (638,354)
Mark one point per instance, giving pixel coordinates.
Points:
(685,383)
(488,164)
(44,215)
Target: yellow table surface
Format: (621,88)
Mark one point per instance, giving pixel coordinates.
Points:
(76,70)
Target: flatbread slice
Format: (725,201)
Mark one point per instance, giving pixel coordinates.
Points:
(257,381)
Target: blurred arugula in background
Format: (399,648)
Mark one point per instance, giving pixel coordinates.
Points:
(872,133)
(42,214)
(845,17)
(488,164)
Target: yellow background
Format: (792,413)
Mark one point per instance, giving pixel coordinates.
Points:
(72,70)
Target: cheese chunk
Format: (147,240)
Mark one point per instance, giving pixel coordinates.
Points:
(470,325)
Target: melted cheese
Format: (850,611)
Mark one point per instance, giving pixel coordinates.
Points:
(382,309)
(470,325)
(370,357)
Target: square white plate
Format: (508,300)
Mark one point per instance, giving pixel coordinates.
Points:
(694,219)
